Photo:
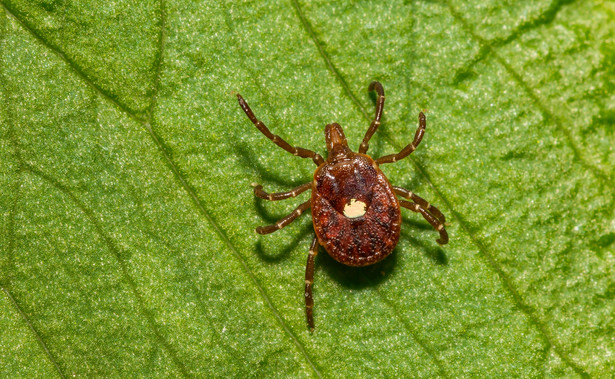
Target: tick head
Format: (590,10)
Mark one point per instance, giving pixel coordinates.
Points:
(337,146)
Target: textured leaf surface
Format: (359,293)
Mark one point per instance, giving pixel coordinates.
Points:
(127,243)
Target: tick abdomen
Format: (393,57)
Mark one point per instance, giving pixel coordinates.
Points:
(355,212)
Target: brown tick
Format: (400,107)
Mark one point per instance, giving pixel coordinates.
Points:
(355,212)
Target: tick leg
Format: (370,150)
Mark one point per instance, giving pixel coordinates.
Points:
(376,123)
(285,221)
(295,150)
(258,191)
(422,202)
(309,281)
(430,219)
(418,136)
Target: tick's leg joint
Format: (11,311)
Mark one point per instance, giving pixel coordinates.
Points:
(433,221)
(376,123)
(284,221)
(422,202)
(418,137)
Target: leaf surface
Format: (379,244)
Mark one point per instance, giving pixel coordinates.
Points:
(127,243)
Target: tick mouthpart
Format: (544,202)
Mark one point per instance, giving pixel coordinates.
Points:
(336,141)
(334,135)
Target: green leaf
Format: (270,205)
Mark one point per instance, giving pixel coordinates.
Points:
(127,242)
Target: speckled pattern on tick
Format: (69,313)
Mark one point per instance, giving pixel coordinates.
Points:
(355,211)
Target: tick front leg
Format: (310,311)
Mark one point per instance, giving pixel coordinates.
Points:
(295,150)
(285,221)
(376,123)
(443,240)
(422,202)
(309,281)
(418,137)
(258,191)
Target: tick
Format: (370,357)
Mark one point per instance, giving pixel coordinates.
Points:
(355,211)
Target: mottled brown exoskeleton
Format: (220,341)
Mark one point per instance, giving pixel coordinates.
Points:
(355,212)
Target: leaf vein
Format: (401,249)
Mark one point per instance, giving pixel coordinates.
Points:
(35,332)
(220,232)
(544,18)
(423,344)
(73,65)
(5,281)
(239,257)
(336,72)
(162,38)
(492,262)
(488,45)
(488,48)
(117,253)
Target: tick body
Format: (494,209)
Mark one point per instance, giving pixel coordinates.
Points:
(355,210)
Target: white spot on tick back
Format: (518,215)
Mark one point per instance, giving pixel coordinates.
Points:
(355,208)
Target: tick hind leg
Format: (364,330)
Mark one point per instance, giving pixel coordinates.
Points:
(295,150)
(418,137)
(309,281)
(431,219)
(420,201)
(284,221)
